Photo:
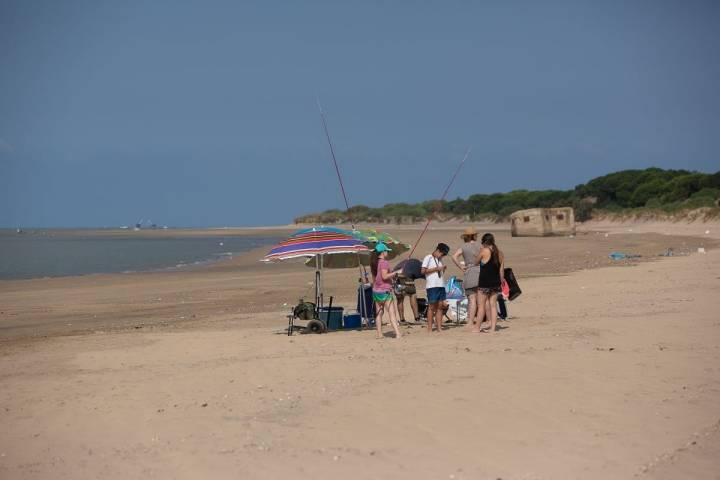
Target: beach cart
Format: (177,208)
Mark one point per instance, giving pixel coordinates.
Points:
(320,246)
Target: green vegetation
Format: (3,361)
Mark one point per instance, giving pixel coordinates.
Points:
(650,190)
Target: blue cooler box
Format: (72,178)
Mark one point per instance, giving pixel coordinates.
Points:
(352,320)
(332,318)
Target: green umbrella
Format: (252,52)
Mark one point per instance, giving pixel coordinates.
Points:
(370,238)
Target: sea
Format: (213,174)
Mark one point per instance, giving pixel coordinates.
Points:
(55,253)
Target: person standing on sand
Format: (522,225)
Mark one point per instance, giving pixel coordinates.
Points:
(469,252)
(433,268)
(382,289)
(408,290)
(492,264)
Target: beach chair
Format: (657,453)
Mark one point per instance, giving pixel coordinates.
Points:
(365,304)
(423,309)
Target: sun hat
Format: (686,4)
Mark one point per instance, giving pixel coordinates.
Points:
(469,231)
(444,249)
(381,247)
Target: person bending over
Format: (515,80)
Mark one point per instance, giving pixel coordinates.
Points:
(406,290)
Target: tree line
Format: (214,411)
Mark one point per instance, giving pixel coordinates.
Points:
(651,189)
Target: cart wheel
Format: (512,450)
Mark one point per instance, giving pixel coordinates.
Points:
(315,326)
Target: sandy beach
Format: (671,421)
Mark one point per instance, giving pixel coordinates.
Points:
(606,369)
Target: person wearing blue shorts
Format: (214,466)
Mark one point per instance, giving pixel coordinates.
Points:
(433,269)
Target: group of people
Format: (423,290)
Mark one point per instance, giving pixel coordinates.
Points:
(482,264)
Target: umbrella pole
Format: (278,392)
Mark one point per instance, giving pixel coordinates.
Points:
(322,300)
(317,283)
(364,314)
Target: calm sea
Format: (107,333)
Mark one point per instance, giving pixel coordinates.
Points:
(55,253)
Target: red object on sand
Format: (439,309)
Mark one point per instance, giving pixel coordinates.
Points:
(505,289)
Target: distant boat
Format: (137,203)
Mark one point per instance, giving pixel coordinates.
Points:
(142,223)
(19,230)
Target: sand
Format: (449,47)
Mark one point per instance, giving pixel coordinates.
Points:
(605,370)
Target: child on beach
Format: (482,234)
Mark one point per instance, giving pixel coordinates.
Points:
(492,265)
(382,289)
(433,268)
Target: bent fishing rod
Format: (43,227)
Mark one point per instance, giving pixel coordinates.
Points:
(439,203)
(337,168)
(361,267)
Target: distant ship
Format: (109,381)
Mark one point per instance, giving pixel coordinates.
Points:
(146,224)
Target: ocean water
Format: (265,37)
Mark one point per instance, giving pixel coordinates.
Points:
(54,253)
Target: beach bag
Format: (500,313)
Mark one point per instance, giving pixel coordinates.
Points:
(304,310)
(472,276)
(514,289)
(453,290)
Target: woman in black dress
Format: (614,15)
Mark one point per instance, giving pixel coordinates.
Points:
(492,264)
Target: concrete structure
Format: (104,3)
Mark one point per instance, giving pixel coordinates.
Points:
(542,222)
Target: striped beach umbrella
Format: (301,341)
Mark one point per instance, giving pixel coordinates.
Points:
(318,244)
(312,242)
(369,238)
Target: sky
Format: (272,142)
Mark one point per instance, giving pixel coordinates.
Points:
(203,113)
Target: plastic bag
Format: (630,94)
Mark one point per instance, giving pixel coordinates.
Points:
(453,289)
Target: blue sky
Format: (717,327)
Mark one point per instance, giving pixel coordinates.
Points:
(203,113)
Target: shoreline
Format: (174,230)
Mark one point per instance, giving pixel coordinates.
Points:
(242,286)
(694,228)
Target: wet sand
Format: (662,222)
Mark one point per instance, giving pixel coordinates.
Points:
(605,370)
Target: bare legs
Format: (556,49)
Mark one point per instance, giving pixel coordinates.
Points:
(414,307)
(487,306)
(380,309)
(493,311)
(401,306)
(434,315)
(394,320)
(482,308)
(472,312)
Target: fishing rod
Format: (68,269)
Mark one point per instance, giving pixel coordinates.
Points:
(437,208)
(361,268)
(337,168)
